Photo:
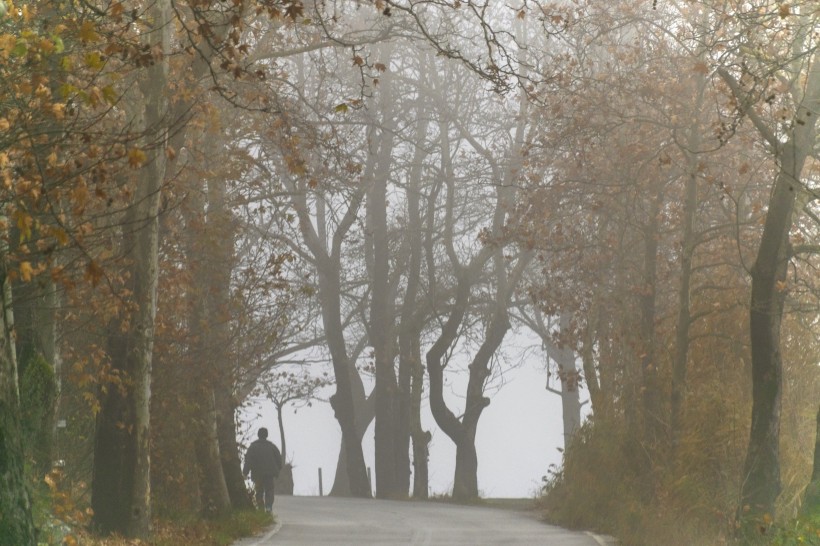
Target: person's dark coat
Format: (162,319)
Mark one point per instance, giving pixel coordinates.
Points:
(262,460)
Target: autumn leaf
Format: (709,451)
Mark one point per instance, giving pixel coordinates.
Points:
(94,61)
(784,10)
(341,108)
(61,236)
(26,271)
(88,32)
(7,43)
(136,157)
(93,273)
(24,224)
(109,94)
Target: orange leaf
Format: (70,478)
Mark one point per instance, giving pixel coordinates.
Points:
(26,271)
(93,273)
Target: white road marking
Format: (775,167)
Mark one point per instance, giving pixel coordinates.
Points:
(267,537)
(597,538)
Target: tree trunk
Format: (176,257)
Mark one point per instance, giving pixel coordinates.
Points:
(217,282)
(684,322)
(688,243)
(229,450)
(381,334)
(411,369)
(569,376)
(121,485)
(815,474)
(811,501)
(329,267)
(213,489)
(365,412)
(280,420)
(650,386)
(593,382)
(465,479)
(761,484)
(35,328)
(342,401)
(16,522)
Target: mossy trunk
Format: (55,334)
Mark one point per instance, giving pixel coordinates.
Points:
(16,523)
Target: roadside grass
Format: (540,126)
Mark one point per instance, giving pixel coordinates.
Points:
(221,531)
(797,532)
(63,517)
(518,504)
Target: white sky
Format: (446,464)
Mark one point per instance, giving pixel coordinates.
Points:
(519,434)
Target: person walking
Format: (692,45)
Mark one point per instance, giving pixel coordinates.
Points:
(263,462)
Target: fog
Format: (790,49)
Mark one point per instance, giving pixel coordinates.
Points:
(520,438)
(390,216)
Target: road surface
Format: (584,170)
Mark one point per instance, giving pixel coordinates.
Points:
(327,520)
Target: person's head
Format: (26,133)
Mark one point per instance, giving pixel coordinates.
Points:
(263,433)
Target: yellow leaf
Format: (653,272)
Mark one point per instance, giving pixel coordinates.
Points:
(93,60)
(136,157)
(7,43)
(109,94)
(4,124)
(24,224)
(26,271)
(88,33)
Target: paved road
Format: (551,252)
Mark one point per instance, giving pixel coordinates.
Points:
(325,520)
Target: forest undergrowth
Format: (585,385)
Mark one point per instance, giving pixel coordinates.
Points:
(610,483)
(63,518)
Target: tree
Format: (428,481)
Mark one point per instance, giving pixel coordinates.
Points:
(811,502)
(504,274)
(16,523)
(790,145)
(121,492)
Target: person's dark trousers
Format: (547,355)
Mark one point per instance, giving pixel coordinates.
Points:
(264,492)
